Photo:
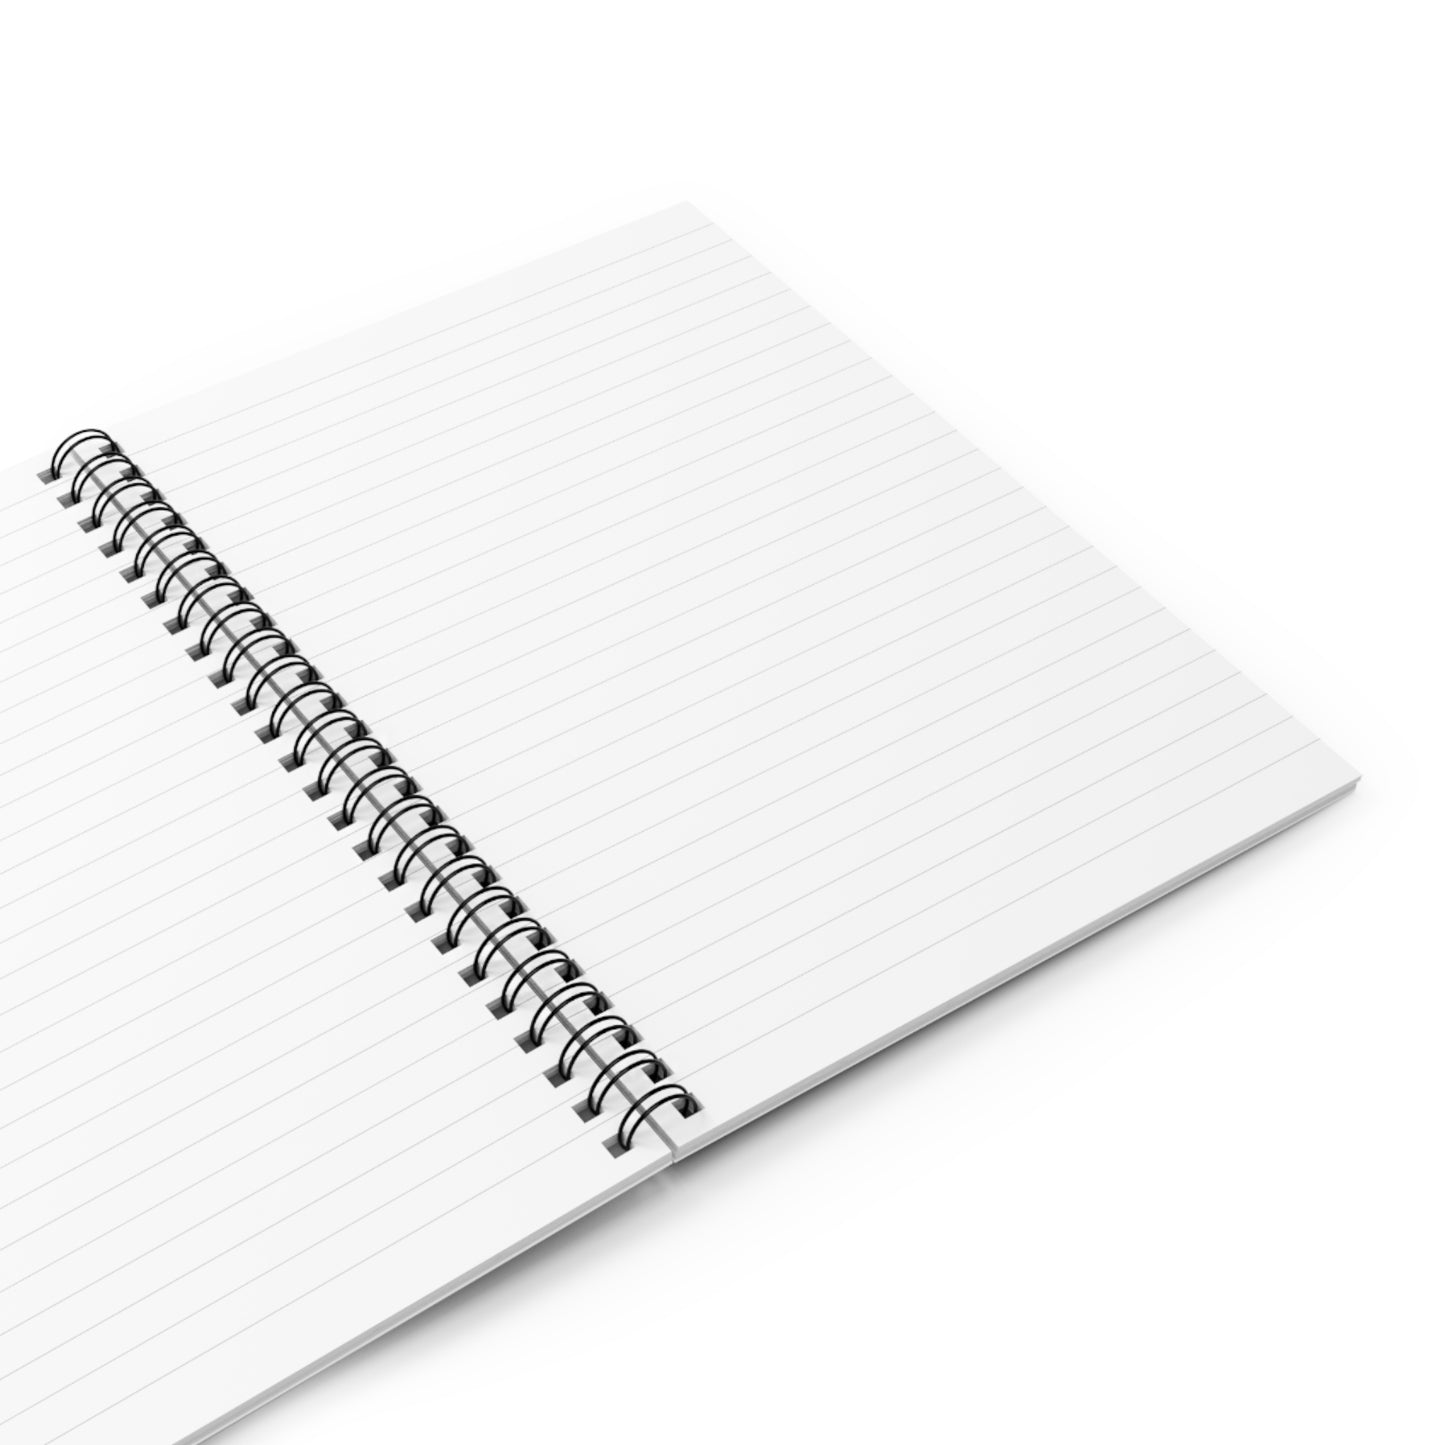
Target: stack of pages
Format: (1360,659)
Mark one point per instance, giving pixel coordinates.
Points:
(454,774)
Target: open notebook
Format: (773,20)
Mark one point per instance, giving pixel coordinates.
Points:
(453,774)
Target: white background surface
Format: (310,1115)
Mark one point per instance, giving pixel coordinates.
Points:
(1178,269)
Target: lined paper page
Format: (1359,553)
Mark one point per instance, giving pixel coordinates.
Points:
(248,1115)
(793,715)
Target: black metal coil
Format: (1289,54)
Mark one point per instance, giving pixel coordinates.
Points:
(88,471)
(346,752)
(107,494)
(608,1025)
(318,725)
(132,519)
(292,697)
(360,791)
(75,439)
(240,650)
(147,549)
(230,613)
(413,848)
(467,910)
(523,973)
(270,670)
(201,587)
(388,816)
(451,870)
(670,1092)
(201,574)
(179,563)
(574,991)
(609,1075)
(520,926)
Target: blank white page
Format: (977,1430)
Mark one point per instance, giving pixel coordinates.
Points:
(249,1117)
(793,715)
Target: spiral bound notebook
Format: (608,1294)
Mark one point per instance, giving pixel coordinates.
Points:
(453,774)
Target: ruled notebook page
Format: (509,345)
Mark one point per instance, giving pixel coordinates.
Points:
(795,718)
(248,1114)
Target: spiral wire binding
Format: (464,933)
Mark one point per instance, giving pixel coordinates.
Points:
(196,579)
